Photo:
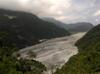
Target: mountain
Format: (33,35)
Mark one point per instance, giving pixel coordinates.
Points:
(26,29)
(74,28)
(10,64)
(80,27)
(58,23)
(87,61)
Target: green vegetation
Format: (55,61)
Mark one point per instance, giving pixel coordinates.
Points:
(11,65)
(88,59)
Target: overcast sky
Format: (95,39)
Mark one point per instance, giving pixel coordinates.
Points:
(68,11)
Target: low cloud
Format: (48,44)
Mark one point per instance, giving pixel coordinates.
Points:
(64,10)
(97,13)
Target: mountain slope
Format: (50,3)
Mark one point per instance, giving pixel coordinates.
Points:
(58,23)
(87,61)
(74,28)
(10,64)
(27,29)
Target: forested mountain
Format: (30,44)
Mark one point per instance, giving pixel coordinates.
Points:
(26,29)
(87,61)
(10,64)
(58,23)
(73,28)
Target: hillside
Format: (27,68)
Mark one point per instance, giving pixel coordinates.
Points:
(73,28)
(58,23)
(87,61)
(26,29)
(10,64)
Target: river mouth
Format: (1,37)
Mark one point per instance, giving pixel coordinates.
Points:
(54,53)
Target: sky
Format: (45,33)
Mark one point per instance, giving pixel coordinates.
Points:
(68,11)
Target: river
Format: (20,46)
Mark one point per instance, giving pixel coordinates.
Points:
(54,53)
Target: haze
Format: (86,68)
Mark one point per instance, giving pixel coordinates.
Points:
(68,11)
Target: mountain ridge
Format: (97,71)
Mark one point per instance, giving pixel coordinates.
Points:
(72,27)
(27,29)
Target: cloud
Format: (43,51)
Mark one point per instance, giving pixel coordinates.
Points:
(64,10)
(97,13)
(38,7)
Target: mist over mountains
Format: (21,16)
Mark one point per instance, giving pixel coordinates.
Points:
(63,10)
(73,28)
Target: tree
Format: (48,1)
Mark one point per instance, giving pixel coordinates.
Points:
(32,54)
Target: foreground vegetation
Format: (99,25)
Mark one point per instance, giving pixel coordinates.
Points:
(11,65)
(87,61)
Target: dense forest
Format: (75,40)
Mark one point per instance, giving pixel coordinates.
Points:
(87,61)
(26,29)
(10,64)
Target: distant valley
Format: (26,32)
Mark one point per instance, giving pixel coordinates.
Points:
(72,28)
